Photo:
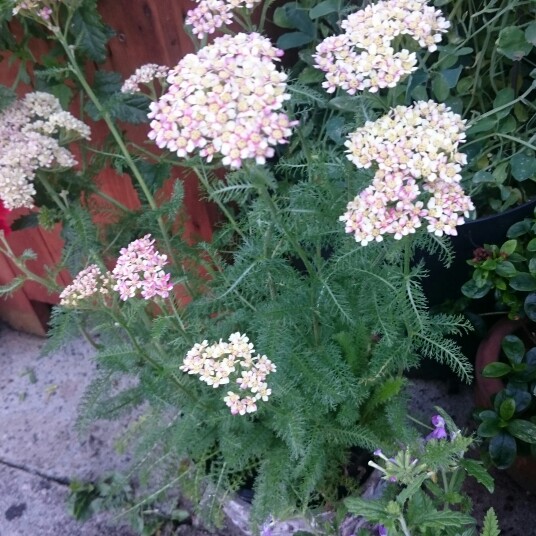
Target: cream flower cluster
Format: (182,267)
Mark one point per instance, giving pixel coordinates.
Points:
(212,14)
(363,58)
(141,267)
(415,151)
(224,100)
(87,283)
(31,133)
(235,360)
(144,75)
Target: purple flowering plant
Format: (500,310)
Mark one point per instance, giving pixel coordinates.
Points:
(423,492)
(278,348)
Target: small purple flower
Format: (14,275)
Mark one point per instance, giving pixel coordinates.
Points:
(439,432)
(377,452)
(382,531)
(392,479)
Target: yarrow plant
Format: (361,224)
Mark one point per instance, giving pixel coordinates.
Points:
(363,58)
(218,363)
(335,322)
(224,100)
(144,75)
(209,15)
(140,270)
(89,282)
(32,132)
(415,151)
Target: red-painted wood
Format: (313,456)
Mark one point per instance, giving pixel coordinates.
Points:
(147,31)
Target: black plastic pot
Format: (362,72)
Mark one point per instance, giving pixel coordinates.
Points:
(445,283)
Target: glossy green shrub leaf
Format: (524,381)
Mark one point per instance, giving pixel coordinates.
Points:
(503,100)
(514,348)
(324,8)
(507,409)
(523,282)
(496,370)
(502,450)
(486,124)
(512,43)
(531,246)
(482,177)
(530,33)
(524,430)
(523,167)
(293,40)
(440,87)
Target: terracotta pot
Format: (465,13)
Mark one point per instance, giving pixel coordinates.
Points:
(523,470)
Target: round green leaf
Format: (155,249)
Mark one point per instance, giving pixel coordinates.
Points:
(507,409)
(512,43)
(531,246)
(440,87)
(523,167)
(489,428)
(474,291)
(502,450)
(530,306)
(496,370)
(523,282)
(482,177)
(514,348)
(519,228)
(524,430)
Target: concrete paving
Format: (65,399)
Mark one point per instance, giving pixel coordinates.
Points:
(40,451)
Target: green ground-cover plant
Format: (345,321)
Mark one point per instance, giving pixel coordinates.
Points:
(508,270)
(335,319)
(510,426)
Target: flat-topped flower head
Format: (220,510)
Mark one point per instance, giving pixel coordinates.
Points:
(414,151)
(92,283)
(144,75)
(209,15)
(363,58)
(140,271)
(232,362)
(32,132)
(224,102)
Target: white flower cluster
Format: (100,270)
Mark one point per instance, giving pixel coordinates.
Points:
(144,75)
(363,58)
(212,14)
(31,133)
(87,283)
(220,362)
(225,99)
(415,151)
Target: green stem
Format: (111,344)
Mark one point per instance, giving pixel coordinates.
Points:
(204,181)
(50,190)
(5,248)
(403,526)
(117,137)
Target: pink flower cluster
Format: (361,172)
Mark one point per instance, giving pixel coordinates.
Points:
(87,283)
(235,360)
(144,75)
(212,14)
(225,99)
(363,58)
(415,151)
(32,132)
(40,8)
(140,267)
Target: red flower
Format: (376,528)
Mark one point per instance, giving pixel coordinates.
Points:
(4,214)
